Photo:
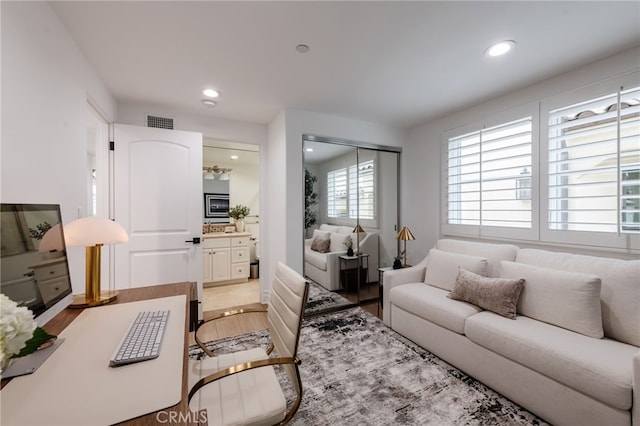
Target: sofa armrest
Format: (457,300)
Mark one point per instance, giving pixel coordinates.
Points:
(396,277)
(635,386)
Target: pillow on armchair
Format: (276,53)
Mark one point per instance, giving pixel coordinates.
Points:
(339,241)
(321,245)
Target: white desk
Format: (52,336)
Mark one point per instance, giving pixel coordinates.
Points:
(76,386)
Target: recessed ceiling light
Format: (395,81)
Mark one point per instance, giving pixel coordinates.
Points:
(212,93)
(209,103)
(302,48)
(234,157)
(500,48)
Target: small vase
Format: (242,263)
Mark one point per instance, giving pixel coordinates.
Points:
(349,251)
(239,225)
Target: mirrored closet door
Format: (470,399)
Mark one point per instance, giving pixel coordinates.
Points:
(351,215)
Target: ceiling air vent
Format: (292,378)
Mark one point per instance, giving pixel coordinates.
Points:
(159,122)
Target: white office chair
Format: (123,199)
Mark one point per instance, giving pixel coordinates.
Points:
(242,388)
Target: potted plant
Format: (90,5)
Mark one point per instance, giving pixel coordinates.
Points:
(310,199)
(349,244)
(238,213)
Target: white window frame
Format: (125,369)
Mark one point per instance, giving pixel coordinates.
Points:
(350,218)
(607,240)
(484,231)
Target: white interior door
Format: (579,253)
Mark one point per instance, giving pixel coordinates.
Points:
(158,200)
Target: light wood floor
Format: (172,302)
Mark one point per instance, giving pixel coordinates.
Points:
(220,299)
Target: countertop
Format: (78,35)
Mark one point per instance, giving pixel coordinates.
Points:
(226,234)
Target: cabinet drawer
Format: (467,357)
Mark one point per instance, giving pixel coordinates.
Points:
(50,289)
(240,242)
(216,242)
(42,273)
(239,270)
(240,254)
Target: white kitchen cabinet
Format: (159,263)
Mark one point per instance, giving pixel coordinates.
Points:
(226,258)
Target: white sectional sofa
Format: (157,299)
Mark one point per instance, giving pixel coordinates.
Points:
(564,357)
(324,268)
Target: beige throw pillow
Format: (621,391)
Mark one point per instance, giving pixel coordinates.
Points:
(442,267)
(569,300)
(321,245)
(339,242)
(499,295)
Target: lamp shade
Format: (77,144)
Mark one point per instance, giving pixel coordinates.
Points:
(91,230)
(52,240)
(358,229)
(405,235)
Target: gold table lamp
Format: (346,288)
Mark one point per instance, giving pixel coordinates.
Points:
(405,235)
(94,232)
(358,230)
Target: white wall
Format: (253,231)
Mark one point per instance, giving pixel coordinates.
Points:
(420,181)
(46,83)
(285,205)
(210,127)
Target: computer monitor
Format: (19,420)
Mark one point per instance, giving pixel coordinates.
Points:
(34,271)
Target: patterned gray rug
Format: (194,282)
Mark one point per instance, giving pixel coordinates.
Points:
(322,300)
(357,371)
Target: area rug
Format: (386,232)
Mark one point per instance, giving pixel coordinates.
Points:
(357,371)
(322,300)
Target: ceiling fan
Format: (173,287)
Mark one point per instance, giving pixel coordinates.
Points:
(215,172)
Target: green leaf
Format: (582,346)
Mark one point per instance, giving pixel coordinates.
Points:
(39,337)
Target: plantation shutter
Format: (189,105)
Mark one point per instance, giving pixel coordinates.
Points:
(362,191)
(489,176)
(594,164)
(337,193)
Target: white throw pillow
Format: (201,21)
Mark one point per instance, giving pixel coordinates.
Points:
(566,299)
(338,242)
(323,235)
(442,267)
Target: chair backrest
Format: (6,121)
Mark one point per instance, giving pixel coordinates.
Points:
(287,302)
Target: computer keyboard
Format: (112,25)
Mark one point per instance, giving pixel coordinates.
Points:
(143,339)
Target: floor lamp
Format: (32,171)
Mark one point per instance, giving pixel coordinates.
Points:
(358,230)
(405,235)
(94,232)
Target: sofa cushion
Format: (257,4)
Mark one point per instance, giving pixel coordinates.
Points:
(494,253)
(442,267)
(338,241)
(620,293)
(600,368)
(499,295)
(319,260)
(321,245)
(328,228)
(432,304)
(569,300)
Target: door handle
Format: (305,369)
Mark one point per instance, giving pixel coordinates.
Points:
(195,240)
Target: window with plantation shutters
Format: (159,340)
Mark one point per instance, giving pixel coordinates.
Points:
(489,182)
(337,200)
(351,192)
(594,164)
(362,191)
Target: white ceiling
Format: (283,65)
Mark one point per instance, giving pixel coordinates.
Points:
(396,63)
